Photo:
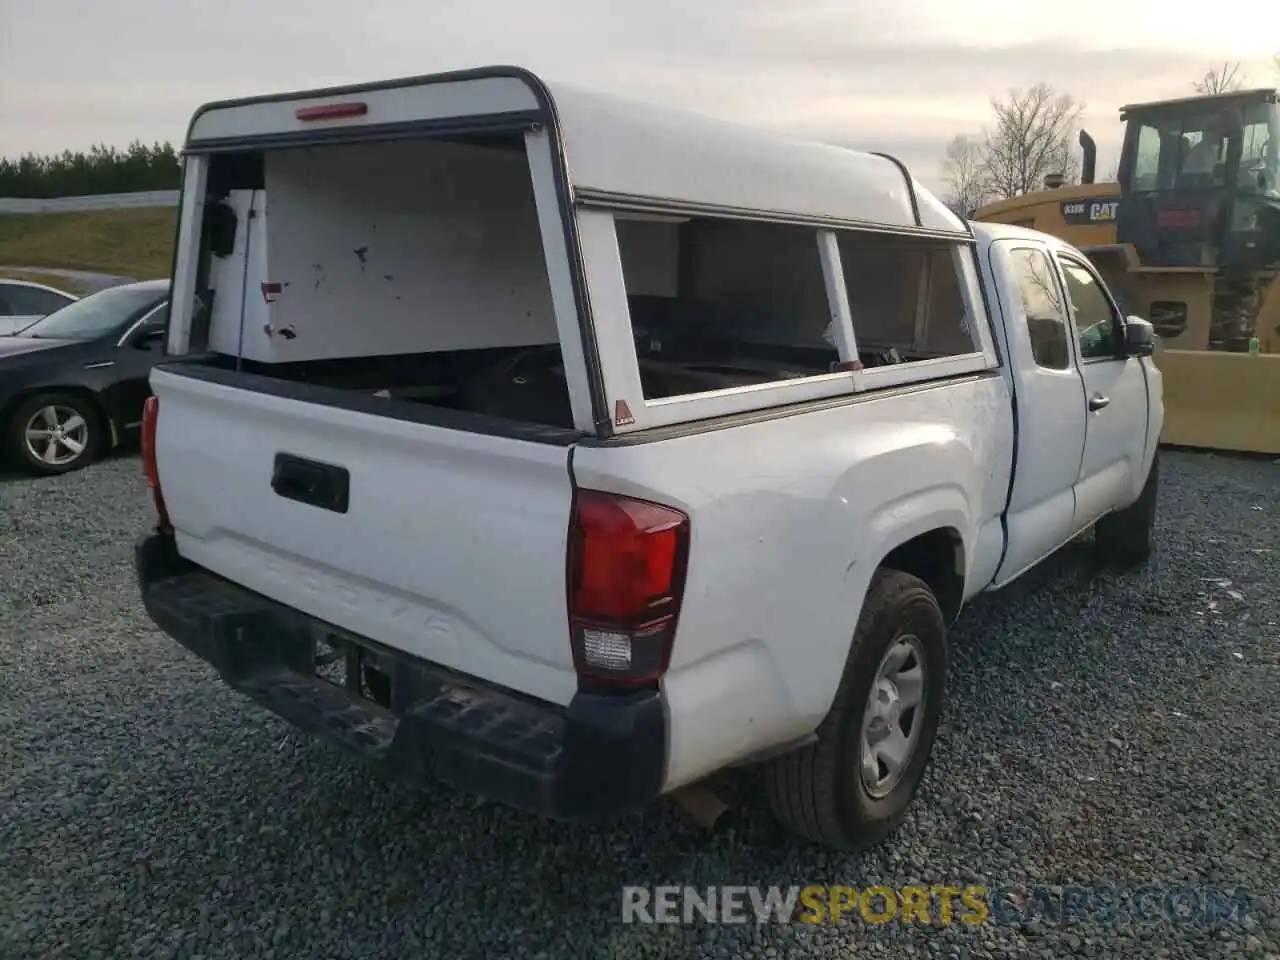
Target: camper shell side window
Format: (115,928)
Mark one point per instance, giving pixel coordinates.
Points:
(702,316)
(906,297)
(719,304)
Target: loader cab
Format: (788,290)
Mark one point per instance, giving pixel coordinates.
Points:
(1200,181)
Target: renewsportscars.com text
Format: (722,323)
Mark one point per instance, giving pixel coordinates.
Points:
(935,905)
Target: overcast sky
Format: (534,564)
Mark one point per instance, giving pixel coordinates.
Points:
(901,77)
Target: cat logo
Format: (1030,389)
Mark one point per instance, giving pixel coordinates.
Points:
(1103,211)
(1081,212)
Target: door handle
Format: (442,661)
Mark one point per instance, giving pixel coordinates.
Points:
(1097,402)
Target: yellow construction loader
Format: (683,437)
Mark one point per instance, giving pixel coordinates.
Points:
(1190,239)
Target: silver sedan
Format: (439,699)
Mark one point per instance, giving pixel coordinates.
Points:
(23,302)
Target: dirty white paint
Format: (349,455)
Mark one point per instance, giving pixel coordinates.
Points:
(392,248)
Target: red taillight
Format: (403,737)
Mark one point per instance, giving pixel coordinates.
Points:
(626,577)
(332,111)
(150,415)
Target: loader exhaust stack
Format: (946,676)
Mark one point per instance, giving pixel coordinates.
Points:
(1090,166)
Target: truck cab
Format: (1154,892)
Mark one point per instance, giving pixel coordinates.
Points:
(1200,181)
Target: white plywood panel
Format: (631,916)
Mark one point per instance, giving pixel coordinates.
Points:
(239,312)
(406,247)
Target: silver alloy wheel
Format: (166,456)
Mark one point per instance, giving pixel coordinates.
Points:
(893,718)
(56,435)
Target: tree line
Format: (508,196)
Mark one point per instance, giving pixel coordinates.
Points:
(1033,135)
(102,169)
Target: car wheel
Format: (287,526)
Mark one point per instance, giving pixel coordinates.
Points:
(54,433)
(1124,538)
(851,787)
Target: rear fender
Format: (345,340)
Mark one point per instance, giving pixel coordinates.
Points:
(902,520)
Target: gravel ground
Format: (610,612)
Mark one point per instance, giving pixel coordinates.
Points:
(1101,729)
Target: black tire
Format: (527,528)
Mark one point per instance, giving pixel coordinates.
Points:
(1124,538)
(817,791)
(89,439)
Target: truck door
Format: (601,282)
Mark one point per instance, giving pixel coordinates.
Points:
(1115,396)
(1049,396)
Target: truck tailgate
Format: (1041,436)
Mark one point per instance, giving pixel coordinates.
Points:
(452,543)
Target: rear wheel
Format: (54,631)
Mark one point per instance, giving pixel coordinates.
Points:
(1124,537)
(852,786)
(54,433)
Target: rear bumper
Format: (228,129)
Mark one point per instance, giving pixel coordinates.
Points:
(599,757)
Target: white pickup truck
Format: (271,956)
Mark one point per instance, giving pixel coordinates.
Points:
(570,450)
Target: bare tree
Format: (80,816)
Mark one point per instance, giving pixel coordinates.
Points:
(1032,138)
(1223,79)
(963,173)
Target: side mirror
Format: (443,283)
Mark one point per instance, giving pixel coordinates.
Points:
(1139,337)
(147,338)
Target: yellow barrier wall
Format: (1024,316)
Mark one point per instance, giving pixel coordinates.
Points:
(1221,401)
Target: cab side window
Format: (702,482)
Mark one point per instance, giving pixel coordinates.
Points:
(1043,308)
(1096,323)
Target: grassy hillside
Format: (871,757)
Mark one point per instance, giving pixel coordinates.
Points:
(133,243)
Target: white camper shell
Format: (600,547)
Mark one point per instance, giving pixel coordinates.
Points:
(487,210)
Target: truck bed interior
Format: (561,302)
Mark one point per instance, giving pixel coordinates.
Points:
(745,302)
